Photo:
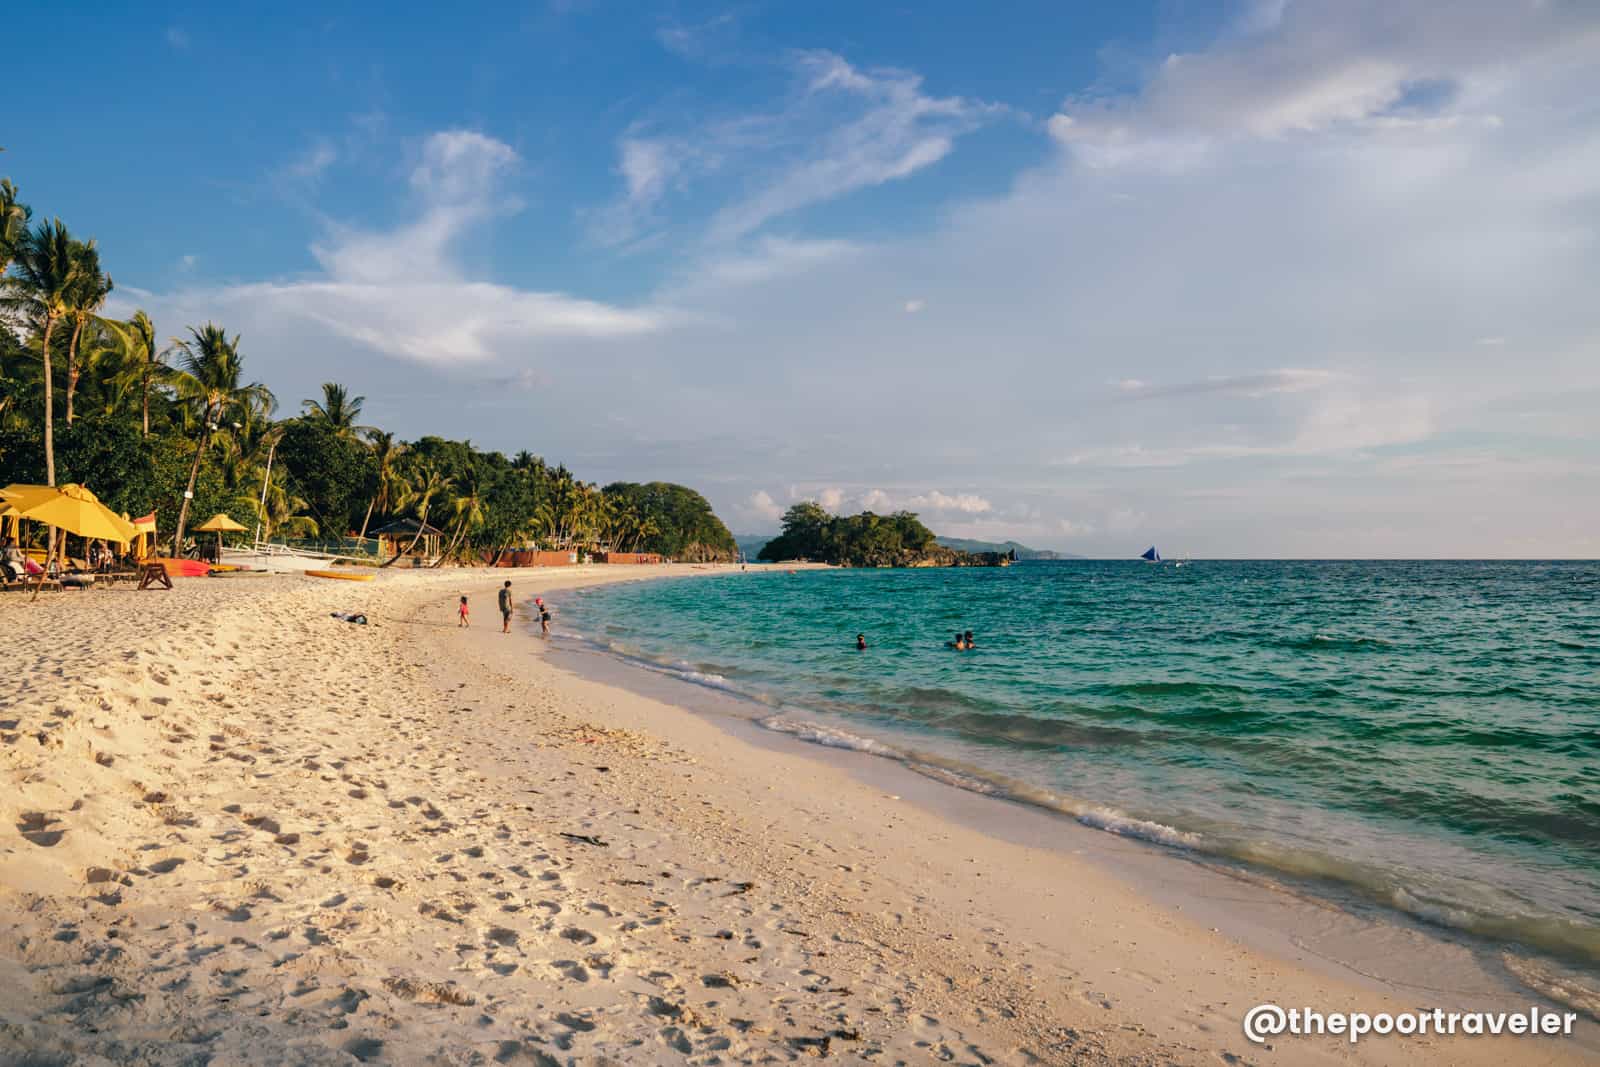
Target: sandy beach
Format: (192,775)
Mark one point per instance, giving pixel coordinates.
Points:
(235,830)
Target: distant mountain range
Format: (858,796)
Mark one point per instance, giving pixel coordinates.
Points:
(751,545)
(962,544)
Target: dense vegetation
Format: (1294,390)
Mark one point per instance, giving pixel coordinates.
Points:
(103,402)
(674,521)
(864,540)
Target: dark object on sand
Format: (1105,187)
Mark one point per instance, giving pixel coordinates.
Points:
(585,839)
(349,616)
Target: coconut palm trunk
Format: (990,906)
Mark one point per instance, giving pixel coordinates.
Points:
(188,493)
(460,529)
(49,406)
(72,365)
(49,436)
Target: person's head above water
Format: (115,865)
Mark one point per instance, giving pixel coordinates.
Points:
(861,640)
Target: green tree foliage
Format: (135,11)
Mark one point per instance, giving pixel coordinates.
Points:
(864,540)
(14,216)
(331,471)
(671,520)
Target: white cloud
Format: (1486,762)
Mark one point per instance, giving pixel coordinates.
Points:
(841,129)
(894,132)
(914,306)
(761,507)
(402,293)
(1306,68)
(847,501)
(1252,386)
(700,41)
(769,258)
(934,500)
(311,163)
(646,166)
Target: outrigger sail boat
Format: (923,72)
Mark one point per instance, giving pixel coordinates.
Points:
(1151,555)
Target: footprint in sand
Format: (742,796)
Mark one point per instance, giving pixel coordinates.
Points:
(34,827)
(571,970)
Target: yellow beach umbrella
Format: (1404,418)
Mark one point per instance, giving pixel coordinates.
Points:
(68,507)
(219,522)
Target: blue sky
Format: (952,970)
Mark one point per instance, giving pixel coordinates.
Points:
(1257,278)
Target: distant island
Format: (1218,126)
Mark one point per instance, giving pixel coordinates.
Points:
(866,540)
(751,547)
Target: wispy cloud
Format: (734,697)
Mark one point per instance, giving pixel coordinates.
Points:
(1252,386)
(312,163)
(177,38)
(841,129)
(703,41)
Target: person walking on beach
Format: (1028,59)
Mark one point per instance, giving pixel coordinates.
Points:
(544,616)
(462,612)
(505,607)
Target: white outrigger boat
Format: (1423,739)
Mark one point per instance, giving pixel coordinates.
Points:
(281,559)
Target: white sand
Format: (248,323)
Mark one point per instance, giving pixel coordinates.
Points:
(234,830)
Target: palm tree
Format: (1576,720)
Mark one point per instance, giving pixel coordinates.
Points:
(14,216)
(207,380)
(386,451)
(111,363)
(151,360)
(86,297)
(337,411)
(46,265)
(422,485)
(466,508)
(280,510)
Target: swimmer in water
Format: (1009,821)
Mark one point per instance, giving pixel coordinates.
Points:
(861,642)
(959,644)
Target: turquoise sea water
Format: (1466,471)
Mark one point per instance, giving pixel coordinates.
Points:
(1421,735)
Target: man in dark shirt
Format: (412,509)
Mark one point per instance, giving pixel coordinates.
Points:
(505,607)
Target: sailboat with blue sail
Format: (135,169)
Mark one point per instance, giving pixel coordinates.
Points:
(1150,555)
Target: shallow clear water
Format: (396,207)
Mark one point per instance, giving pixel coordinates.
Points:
(1423,734)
